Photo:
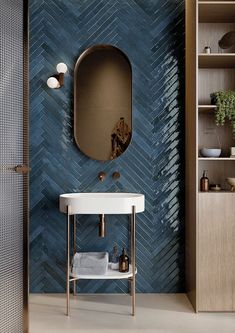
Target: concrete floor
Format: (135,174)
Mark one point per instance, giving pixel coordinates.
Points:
(155,313)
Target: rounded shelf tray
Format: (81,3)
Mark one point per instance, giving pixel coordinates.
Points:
(110,275)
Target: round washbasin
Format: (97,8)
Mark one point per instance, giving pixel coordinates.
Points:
(101,203)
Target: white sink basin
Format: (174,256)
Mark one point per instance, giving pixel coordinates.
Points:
(101,203)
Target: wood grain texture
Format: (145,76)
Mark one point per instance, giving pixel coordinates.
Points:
(221,60)
(214,79)
(191,150)
(217,171)
(216,11)
(212,136)
(210,33)
(216,252)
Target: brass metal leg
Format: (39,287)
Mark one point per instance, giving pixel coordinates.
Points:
(68,262)
(74,248)
(133,259)
(130,286)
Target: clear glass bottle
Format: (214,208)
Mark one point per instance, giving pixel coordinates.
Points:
(115,258)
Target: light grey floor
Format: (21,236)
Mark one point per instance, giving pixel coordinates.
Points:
(156,313)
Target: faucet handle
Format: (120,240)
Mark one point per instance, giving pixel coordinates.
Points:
(116,175)
(102,176)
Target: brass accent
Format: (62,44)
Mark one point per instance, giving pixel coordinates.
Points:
(22,169)
(116,175)
(102,226)
(102,176)
(60,78)
(74,248)
(133,231)
(68,261)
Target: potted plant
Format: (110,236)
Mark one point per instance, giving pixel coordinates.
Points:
(225,108)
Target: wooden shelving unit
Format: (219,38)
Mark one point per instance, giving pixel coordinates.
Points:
(209,216)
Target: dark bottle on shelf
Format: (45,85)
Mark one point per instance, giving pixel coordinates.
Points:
(204,182)
(123,262)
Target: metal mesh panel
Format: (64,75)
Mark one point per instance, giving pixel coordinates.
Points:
(11,154)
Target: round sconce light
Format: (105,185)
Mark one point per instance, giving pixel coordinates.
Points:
(61,68)
(57,80)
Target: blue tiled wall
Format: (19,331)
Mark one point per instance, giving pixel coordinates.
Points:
(151,33)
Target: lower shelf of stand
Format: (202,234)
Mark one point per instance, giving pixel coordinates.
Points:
(110,275)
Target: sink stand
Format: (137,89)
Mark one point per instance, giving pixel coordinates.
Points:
(71,220)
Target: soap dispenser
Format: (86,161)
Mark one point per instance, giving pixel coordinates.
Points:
(204,182)
(123,262)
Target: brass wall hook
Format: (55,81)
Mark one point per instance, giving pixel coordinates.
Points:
(102,176)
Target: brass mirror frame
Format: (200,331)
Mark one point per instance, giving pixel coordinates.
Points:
(89,50)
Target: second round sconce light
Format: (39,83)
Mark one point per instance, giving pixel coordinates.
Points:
(57,80)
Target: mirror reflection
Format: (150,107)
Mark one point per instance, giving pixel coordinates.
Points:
(103,102)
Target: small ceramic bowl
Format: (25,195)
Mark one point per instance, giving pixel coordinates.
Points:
(231,182)
(210,152)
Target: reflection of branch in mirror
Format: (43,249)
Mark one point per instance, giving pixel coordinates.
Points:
(120,138)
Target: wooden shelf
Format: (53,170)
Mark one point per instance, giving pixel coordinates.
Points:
(216,60)
(221,192)
(216,11)
(110,275)
(216,158)
(206,108)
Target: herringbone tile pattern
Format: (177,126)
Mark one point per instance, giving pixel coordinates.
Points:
(151,33)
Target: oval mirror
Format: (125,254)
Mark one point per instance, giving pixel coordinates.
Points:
(103,102)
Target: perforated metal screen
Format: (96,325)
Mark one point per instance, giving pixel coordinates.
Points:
(11,154)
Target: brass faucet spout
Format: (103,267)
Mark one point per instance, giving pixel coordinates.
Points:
(102,226)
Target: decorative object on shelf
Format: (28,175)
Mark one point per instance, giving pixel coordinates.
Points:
(90,263)
(227,41)
(204,182)
(232,152)
(210,152)
(225,108)
(115,258)
(215,187)
(123,262)
(231,182)
(207,49)
(57,80)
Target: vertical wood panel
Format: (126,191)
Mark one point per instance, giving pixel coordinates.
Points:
(191,149)
(216,252)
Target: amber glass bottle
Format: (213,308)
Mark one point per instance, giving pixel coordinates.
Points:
(123,262)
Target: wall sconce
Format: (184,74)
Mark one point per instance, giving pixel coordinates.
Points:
(57,80)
